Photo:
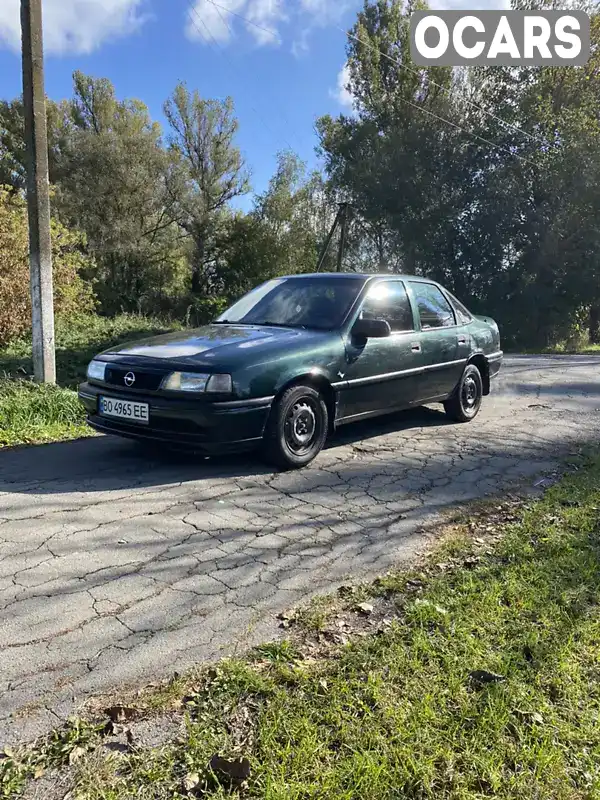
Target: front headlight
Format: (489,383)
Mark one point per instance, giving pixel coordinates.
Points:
(197,382)
(96,370)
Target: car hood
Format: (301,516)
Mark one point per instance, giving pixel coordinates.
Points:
(214,344)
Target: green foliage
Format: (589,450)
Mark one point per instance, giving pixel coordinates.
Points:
(31,413)
(208,173)
(79,338)
(508,221)
(112,185)
(203,310)
(71,294)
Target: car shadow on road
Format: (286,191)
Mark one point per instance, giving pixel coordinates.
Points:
(102,463)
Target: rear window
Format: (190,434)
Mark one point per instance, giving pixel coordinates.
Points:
(464,315)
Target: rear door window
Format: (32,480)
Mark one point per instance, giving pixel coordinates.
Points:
(434,310)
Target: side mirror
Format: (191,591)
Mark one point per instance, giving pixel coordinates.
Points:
(371,329)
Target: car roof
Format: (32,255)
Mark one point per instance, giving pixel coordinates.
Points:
(362,275)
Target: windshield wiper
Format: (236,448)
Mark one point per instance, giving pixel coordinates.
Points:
(270,324)
(265,324)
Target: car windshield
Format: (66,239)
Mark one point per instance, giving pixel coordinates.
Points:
(321,303)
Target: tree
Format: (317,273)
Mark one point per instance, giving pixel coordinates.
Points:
(483,179)
(282,234)
(71,294)
(208,173)
(113,184)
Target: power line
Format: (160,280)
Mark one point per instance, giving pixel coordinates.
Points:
(414,105)
(222,51)
(444,88)
(464,130)
(248,21)
(285,120)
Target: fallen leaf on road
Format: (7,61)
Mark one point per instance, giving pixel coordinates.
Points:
(287,615)
(439,609)
(191,780)
(120,713)
(365,608)
(75,754)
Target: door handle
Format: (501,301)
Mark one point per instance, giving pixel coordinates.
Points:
(415,347)
(462,339)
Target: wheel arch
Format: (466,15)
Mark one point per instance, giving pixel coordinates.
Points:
(480,361)
(318,381)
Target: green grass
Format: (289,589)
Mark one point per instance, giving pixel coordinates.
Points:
(34,414)
(78,340)
(396,714)
(563,348)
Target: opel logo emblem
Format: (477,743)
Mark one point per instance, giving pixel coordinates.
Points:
(129,379)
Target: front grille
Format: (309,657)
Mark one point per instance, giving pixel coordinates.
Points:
(143,379)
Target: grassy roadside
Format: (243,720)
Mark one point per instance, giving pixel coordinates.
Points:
(559,350)
(475,676)
(35,414)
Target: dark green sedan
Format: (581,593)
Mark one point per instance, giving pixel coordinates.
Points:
(293,360)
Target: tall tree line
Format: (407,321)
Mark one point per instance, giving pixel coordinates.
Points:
(485,179)
(156,208)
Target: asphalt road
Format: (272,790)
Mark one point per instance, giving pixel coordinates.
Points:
(117,568)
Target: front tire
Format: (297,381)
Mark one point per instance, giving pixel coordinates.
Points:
(297,428)
(465,402)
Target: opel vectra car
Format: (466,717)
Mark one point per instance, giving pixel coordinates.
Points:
(293,360)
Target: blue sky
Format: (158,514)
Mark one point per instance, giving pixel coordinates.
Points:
(280,81)
(283,68)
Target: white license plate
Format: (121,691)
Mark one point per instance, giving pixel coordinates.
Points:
(124,409)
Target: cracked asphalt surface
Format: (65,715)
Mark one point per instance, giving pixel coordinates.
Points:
(117,567)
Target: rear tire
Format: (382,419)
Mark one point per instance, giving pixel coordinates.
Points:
(466,399)
(297,428)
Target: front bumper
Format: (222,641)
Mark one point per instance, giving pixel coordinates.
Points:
(185,423)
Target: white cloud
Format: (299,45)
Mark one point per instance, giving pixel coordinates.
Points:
(341,93)
(300,44)
(324,12)
(224,18)
(207,20)
(73,26)
(266,14)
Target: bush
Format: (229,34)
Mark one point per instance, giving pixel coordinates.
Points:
(31,412)
(71,293)
(203,310)
(78,339)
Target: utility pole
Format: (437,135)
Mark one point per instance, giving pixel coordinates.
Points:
(341,218)
(38,193)
(344,209)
